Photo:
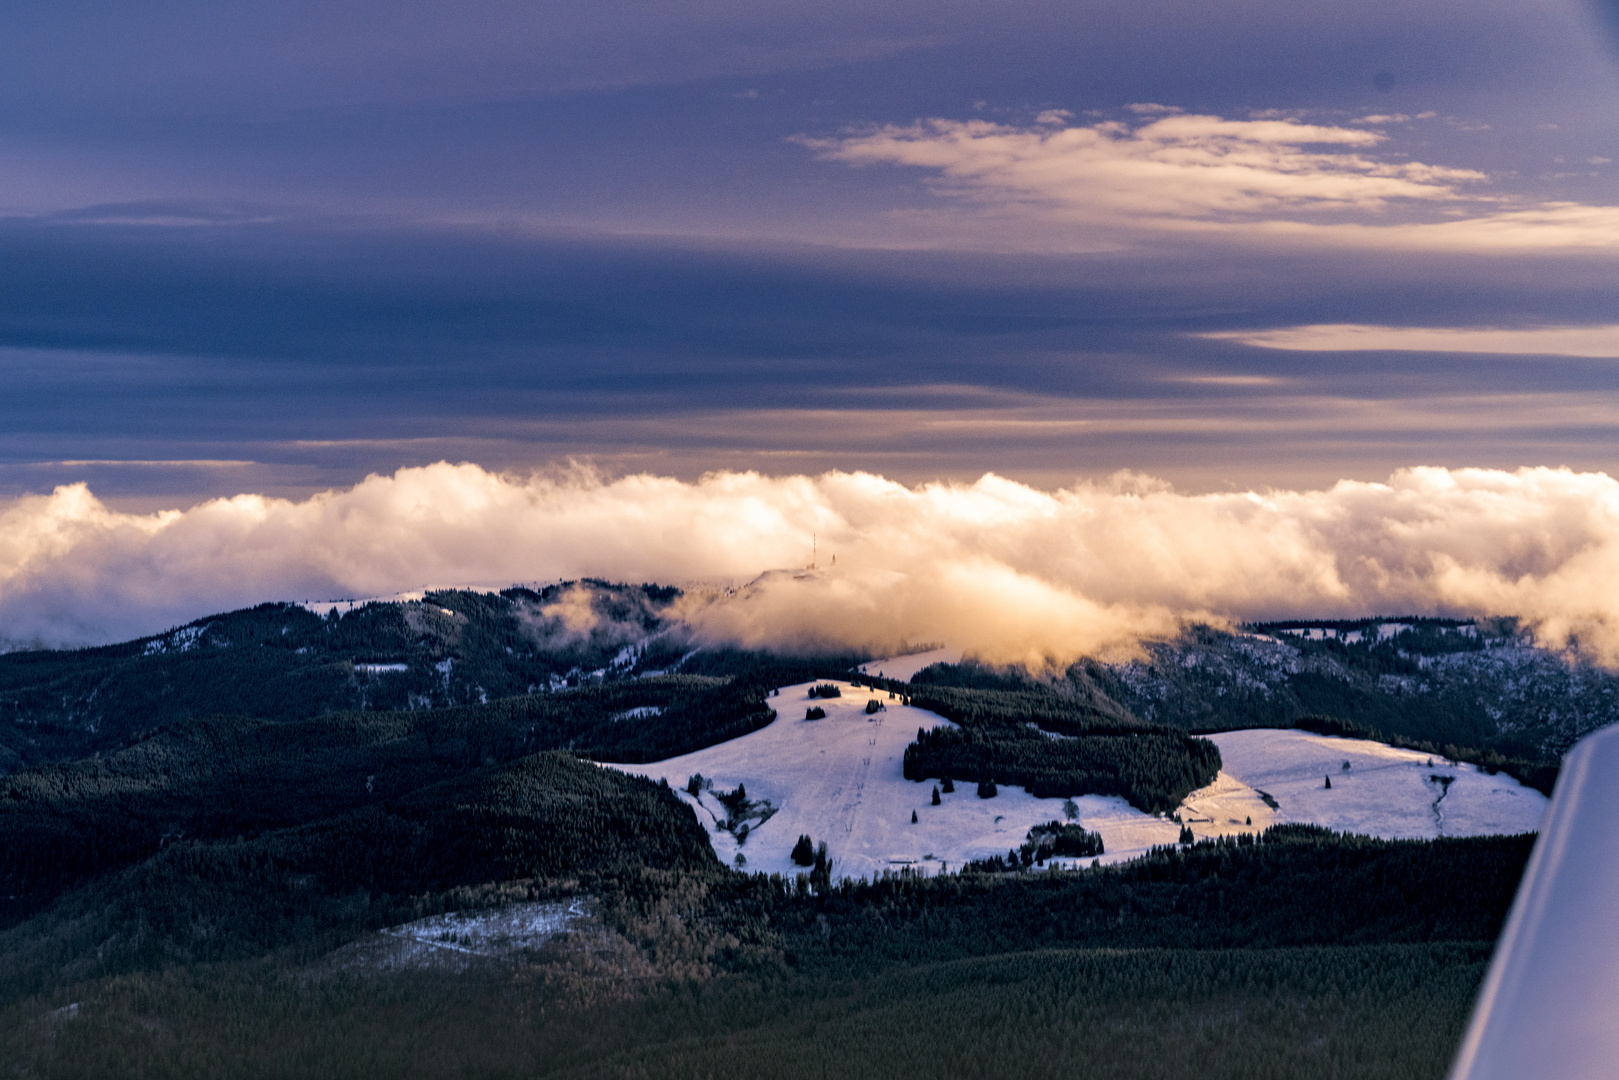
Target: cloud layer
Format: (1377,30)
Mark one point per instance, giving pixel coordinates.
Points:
(998,568)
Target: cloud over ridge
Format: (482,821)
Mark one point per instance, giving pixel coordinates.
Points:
(1008,571)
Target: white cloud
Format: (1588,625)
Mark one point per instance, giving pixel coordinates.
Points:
(995,567)
(1175,166)
(1592,341)
(1271,179)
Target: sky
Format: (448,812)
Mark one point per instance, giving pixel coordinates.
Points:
(264,251)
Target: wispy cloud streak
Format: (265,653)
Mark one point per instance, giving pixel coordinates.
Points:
(1276,181)
(1599,341)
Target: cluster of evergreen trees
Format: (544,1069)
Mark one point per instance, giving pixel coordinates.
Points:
(1036,706)
(1153,769)
(1063,838)
(1044,842)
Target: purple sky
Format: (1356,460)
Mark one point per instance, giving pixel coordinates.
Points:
(272,247)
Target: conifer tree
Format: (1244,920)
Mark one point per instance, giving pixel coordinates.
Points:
(821,873)
(936,799)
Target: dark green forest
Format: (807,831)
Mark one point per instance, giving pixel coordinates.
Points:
(233,778)
(1053,745)
(1305,954)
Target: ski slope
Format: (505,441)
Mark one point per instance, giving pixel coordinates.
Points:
(840,780)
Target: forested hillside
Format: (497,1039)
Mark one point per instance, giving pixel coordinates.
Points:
(1439,681)
(324,881)
(223,778)
(284,662)
(1422,681)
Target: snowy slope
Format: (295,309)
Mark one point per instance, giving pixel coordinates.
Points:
(1383,792)
(901,668)
(841,780)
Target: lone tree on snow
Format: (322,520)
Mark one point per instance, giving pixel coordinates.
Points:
(804,852)
(913,817)
(1328,780)
(936,799)
(949,785)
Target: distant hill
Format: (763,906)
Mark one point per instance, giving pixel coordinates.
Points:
(1444,682)
(1433,680)
(285,662)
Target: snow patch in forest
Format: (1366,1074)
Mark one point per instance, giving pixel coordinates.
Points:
(461,938)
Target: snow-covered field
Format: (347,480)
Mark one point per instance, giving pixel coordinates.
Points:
(840,780)
(1376,790)
(903,667)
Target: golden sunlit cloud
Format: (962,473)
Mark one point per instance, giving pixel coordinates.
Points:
(1001,569)
(1272,181)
